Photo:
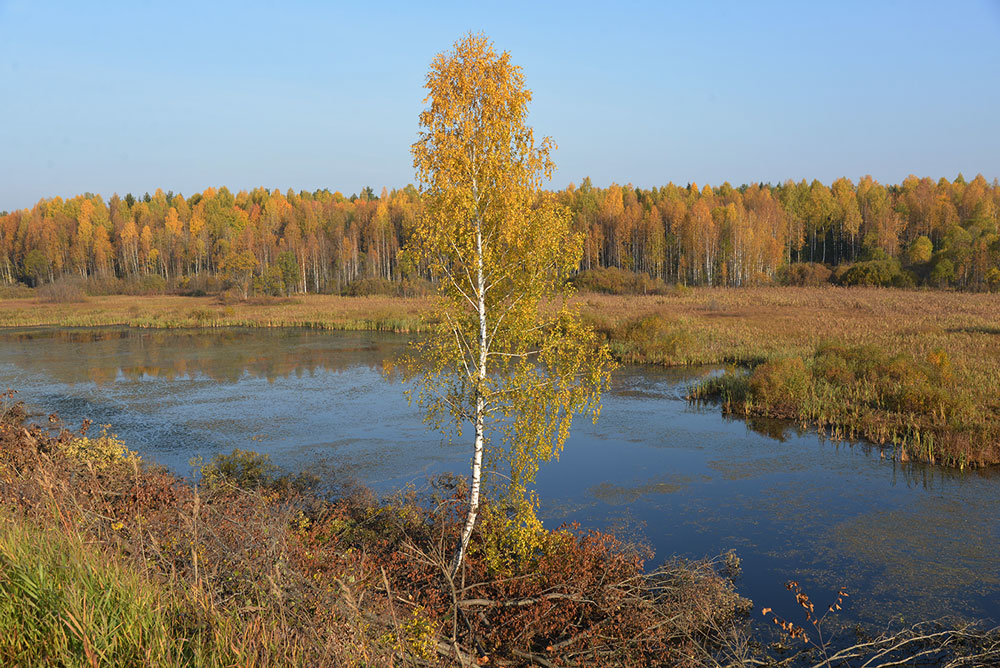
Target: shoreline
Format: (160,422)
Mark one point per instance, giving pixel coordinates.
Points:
(746,328)
(256,564)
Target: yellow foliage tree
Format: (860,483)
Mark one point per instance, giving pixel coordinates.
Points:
(510,357)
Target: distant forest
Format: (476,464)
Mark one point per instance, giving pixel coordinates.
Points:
(920,232)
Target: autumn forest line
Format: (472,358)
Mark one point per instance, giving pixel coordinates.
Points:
(920,232)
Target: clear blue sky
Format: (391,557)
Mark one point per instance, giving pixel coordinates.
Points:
(117,97)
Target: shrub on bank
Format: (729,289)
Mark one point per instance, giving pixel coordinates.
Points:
(614,281)
(63,291)
(142,285)
(408,287)
(873,273)
(804,274)
(16,291)
(199,285)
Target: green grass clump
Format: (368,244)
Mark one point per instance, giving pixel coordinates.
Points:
(64,603)
(249,470)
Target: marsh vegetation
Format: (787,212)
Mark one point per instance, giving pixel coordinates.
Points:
(912,332)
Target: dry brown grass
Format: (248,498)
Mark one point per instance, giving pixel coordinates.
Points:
(755,324)
(728,317)
(741,325)
(169,311)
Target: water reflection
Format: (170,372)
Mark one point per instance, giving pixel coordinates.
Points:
(109,355)
(776,429)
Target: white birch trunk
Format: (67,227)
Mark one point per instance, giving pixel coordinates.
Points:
(477,458)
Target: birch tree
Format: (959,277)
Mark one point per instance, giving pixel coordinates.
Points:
(509,359)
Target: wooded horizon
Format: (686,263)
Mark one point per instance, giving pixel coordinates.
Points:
(941,233)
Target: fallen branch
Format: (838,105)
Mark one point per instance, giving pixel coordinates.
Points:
(521,602)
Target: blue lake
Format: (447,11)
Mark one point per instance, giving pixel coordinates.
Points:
(909,541)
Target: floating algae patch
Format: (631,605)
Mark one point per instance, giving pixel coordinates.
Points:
(742,469)
(617,495)
(919,556)
(559,510)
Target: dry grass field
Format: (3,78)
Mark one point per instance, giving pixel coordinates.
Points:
(721,324)
(725,325)
(169,311)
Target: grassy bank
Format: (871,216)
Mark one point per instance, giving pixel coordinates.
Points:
(703,325)
(741,327)
(107,561)
(65,602)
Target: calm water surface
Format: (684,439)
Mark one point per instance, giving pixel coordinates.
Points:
(908,541)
